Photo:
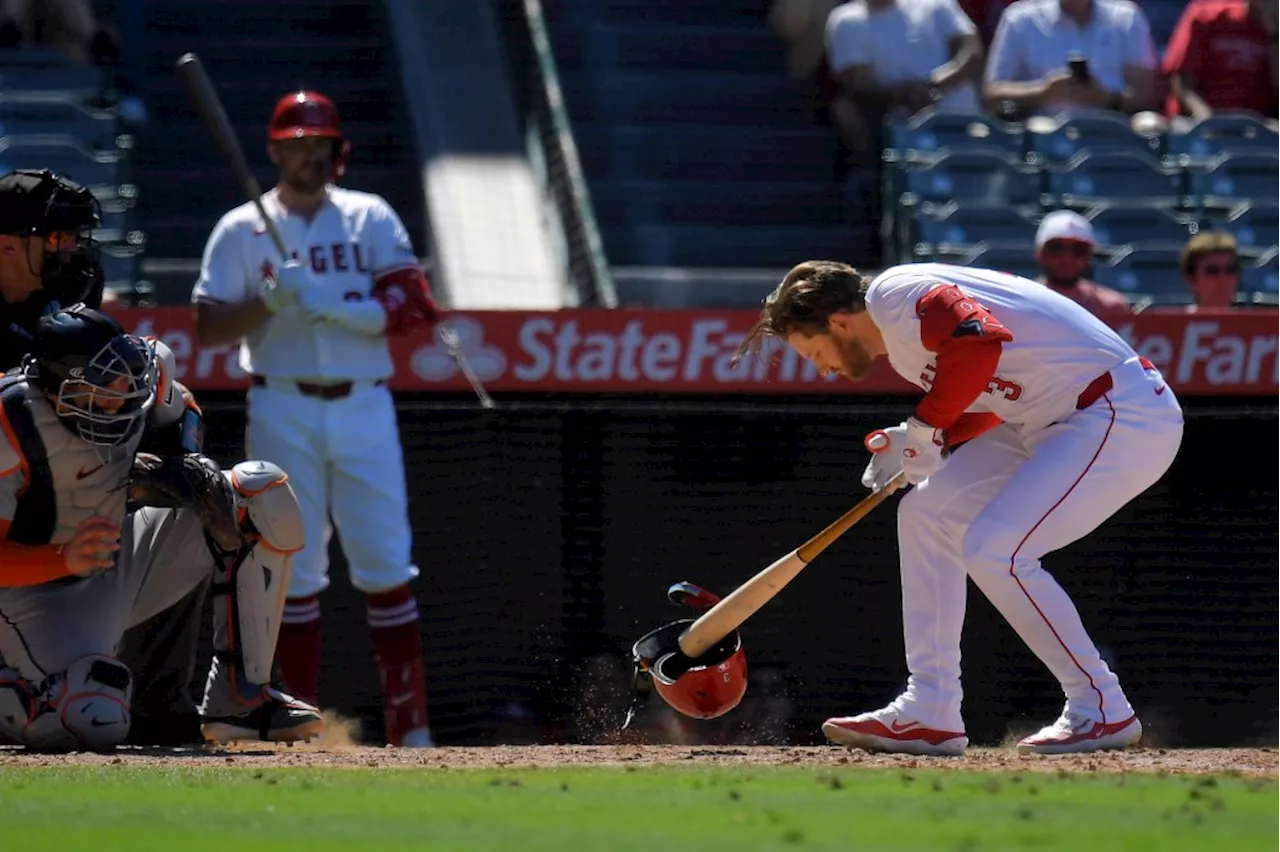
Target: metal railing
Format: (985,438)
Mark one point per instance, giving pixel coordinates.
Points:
(553,151)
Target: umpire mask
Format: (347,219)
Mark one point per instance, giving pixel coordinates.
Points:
(63,214)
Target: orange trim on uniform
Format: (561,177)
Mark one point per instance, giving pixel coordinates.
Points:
(7,428)
(275,483)
(280,480)
(30,564)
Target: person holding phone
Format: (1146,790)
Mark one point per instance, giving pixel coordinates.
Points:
(1054,56)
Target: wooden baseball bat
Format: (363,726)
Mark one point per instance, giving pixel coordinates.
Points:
(743,602)
(200,87)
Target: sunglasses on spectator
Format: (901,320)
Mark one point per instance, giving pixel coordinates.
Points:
(1068,246)
(1215,269)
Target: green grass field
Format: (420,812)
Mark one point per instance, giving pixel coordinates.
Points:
(653,808)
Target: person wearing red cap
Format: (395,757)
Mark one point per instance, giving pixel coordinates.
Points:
(1064,251)
(313,330)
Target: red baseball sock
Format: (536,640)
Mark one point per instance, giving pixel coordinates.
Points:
(298,648)
(397,648)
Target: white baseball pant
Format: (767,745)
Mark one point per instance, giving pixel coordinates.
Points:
(1002,502)
(344,461)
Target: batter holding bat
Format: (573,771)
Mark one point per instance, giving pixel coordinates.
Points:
(313,330)
(1061,424)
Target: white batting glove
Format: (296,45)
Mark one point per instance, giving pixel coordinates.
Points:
(365,316)
(886,457)
(291,279)
(320,304)
(922,453)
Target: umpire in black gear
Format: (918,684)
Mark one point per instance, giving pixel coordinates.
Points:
(48,256)
(49,261)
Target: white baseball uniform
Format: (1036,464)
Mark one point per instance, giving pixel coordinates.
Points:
(319,407)
(1087,426)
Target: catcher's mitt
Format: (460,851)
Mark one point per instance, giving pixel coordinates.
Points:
(192,481)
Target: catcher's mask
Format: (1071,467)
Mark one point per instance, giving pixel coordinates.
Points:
(102,381)
(305,113)
(63,215)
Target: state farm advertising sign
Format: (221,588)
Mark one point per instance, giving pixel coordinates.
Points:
(646,351)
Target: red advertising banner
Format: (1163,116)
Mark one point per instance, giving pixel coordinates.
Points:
(650,351)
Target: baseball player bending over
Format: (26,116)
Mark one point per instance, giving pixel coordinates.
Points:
(79,565)
(314,339)
(1062,424)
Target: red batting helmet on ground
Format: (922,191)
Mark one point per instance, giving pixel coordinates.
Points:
(306,113)
(704,687)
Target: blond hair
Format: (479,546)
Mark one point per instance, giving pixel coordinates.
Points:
(1203,243)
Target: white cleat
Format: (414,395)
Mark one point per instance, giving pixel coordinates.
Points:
(1075,733)
(889,730)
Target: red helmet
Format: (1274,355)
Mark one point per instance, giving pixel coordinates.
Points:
(703,688)
(306,113)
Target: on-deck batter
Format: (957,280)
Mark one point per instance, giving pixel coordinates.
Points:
(1064,425)
(314,332)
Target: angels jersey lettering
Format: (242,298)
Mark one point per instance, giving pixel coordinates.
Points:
(353,239)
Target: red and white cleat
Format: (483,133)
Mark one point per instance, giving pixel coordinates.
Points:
(1075,733)
(888,729)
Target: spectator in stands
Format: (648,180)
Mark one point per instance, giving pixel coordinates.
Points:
(69,25)
(802,24)
(1210,265)
(1064,251)
(1029,66)
(1223,57)
(896,57)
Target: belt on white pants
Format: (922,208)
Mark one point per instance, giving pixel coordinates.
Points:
(336,390)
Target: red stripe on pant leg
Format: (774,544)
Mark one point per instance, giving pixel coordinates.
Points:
(1013,558)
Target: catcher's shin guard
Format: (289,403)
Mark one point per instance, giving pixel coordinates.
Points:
(249,588)
(249,591)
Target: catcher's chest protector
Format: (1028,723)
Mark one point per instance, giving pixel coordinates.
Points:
(67,479)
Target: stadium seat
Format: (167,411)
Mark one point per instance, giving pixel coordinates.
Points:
(978,177)
(1224,131)
(970,224)
(1260,280)
(1090,179)
(1093,132)
(63,154)
(1149,270)
(925,134)
(1115,224)
(1229,178)
(80,80)
(57,114)
(1255,224)
(1015,258)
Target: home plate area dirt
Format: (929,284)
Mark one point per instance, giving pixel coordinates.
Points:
(1250,762)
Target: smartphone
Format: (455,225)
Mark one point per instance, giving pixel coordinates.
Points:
(1079,67)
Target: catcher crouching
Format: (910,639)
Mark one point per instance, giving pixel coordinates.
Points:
(96,538)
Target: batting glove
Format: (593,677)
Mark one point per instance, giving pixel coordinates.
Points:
(923,453)
(290,280)
(886,457)
(366,316)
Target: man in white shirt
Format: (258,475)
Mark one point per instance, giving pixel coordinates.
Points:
(1036,39)
(313,333)
(896,57)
